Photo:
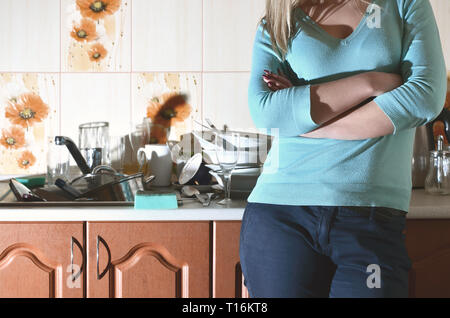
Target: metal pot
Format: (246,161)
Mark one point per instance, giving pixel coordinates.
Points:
(103,183)
(99,176)
(122,190)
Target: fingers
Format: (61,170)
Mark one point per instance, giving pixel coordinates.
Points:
(274,84)
(280,79)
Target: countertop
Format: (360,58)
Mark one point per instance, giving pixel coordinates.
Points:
(423,206)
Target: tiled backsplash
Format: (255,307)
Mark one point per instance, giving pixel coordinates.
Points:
(134,52)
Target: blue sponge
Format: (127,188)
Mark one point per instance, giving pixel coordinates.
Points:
(155,200)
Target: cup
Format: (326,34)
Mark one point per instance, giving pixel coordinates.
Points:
(58,160)
(157,161)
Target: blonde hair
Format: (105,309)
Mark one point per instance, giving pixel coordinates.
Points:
(280,21)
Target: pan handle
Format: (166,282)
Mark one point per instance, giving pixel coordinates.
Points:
(101,168)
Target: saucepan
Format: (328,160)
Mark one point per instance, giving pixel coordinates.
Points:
(123,189)
(102,183)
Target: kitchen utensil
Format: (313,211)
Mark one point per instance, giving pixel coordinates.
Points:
(58,160)
(22,193)
(438,177)
(124,189)
(195,172)
(423,144)
(93,143)
(217,176)
(158,162)
(208,199)
(190,191)
(75,152)
(71,191)
(227,154)
(100,175)
(211,125)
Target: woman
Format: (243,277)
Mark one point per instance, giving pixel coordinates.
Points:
(344,84)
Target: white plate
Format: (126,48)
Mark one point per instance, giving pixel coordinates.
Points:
(243,170)
(190,168)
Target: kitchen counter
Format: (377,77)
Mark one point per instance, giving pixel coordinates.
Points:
(423,206)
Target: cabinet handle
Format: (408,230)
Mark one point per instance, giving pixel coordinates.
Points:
(73,242)
(103,273)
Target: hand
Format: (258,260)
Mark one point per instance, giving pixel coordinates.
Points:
(276,82)
(384,82)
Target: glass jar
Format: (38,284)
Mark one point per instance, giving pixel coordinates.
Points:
(437,181)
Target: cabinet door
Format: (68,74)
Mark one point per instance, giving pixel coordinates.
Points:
(228,280)
(36,258)
(428,244)
(151,259)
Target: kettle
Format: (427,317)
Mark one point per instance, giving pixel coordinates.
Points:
(423,144)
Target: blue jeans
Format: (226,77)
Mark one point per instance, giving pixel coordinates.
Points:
(323,251)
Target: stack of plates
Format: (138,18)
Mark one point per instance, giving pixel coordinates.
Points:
(243,178)
(253,148)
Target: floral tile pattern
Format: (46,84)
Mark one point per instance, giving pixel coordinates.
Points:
(96,35)
(149,88)
(28,116)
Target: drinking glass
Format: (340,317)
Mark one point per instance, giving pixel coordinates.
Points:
(117,152)
(155,133)
(136,140)
(227,154)
(58,160)
(93,143)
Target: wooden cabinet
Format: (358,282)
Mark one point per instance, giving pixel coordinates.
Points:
(155,259)
(167,259)
(428,244)
(36,260)
(228,280)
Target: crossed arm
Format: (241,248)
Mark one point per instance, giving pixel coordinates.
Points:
(341,109)
(331,104)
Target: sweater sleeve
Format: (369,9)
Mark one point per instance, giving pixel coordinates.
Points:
(288,110)
(421,98)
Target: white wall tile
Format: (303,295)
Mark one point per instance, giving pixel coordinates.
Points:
(29,35)
(95,97)
(113,32)
(229,30)
(225,100)
(167,35)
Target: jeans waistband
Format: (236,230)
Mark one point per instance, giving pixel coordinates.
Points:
(367,210)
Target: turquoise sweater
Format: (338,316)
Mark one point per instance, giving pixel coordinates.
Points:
(330,172)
